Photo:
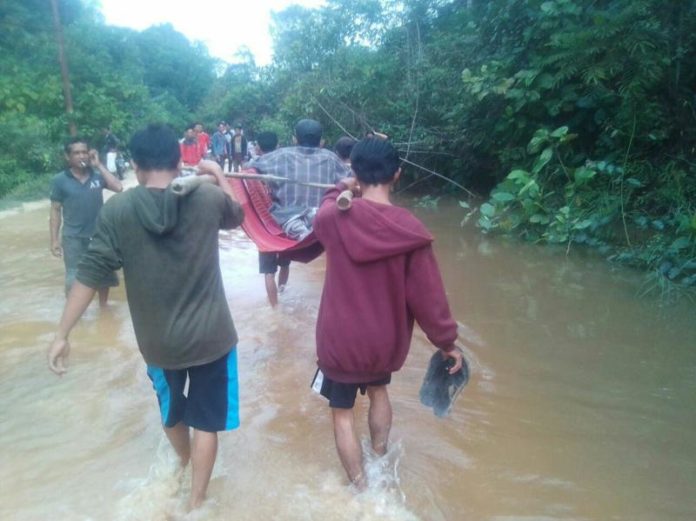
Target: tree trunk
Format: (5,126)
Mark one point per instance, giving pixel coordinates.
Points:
(62,59)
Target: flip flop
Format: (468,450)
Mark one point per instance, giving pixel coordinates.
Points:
(439,388)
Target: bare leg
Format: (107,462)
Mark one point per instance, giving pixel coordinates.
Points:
(203,453)
(348,446)
(271,289)
(103,296)
(379,418)
(283,275)
(179,438)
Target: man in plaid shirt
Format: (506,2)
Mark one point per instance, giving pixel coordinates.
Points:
(295,204)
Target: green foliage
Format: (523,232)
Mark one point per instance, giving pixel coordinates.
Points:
(119,77)
(576,119)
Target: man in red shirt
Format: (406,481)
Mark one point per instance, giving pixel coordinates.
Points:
(190,149)
(203,139)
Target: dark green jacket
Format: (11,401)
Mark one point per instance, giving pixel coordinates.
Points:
(167,246)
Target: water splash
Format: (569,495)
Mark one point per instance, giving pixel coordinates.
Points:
(160,496)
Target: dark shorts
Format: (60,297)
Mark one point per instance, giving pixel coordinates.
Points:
(212,403)
(342,395)
(73,250)
(269,262)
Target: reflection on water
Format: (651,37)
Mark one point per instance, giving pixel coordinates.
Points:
(580,404)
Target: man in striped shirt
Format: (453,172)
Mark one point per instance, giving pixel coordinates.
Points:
(295,204)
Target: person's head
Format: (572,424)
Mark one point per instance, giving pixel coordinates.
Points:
(375,161)
(155,148)
(266,142)
(189,132)
(77,152)
(221,127)
(198,128)
(344,147)
(238,130)
(308,133)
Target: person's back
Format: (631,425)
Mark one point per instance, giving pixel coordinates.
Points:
(381,272)
(175,291)
(301,164)
(381,275)
(168,247)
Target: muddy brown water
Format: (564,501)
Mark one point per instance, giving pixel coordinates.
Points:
(581,403)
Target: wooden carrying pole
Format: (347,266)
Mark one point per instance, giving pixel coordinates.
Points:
(183,185)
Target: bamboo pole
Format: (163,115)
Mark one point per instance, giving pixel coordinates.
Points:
(184,185)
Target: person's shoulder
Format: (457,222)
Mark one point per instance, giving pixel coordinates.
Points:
(60,176)
(406,219)
(208,193)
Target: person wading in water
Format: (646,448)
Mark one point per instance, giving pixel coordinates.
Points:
(168,248)
(381,273)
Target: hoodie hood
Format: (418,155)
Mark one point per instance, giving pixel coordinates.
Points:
(157,210)
(371,231)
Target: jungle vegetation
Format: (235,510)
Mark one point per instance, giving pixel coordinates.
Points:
(574,122)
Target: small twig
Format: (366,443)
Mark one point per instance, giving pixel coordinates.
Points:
(417,181)
(623,174)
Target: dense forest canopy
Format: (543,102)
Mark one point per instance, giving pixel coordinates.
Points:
(575,120)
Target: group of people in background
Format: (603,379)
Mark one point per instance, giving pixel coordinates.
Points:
(227,147)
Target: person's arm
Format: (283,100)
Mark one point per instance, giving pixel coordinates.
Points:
(208,167)
(55,220)
(427,300)
(78,299)
(112,182)
(331,194)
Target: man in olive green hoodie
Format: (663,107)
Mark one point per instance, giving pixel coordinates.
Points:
(167,246)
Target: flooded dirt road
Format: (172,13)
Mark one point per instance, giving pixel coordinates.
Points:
(580,404)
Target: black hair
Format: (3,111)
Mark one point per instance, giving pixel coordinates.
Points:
(374,161)
(344,146)
(155,148)
(71,141)
(267,141)
(308,133)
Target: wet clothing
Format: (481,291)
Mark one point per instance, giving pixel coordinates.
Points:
(73,250)
(343,395)
(80,205)
(212,401)
(381,275)
(304,164)
(269,262)
(80,202)
(168,248)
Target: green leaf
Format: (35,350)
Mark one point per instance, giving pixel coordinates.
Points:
(538,218)
(583,174)
(487,210)
(503,197)
(559,132)
(542,160)
(523,176)
(680,244)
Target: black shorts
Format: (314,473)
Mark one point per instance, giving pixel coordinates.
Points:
(342,395)
(269,262)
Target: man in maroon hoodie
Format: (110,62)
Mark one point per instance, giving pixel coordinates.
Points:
(382,273)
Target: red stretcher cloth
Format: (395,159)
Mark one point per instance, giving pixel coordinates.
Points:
(261,228)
